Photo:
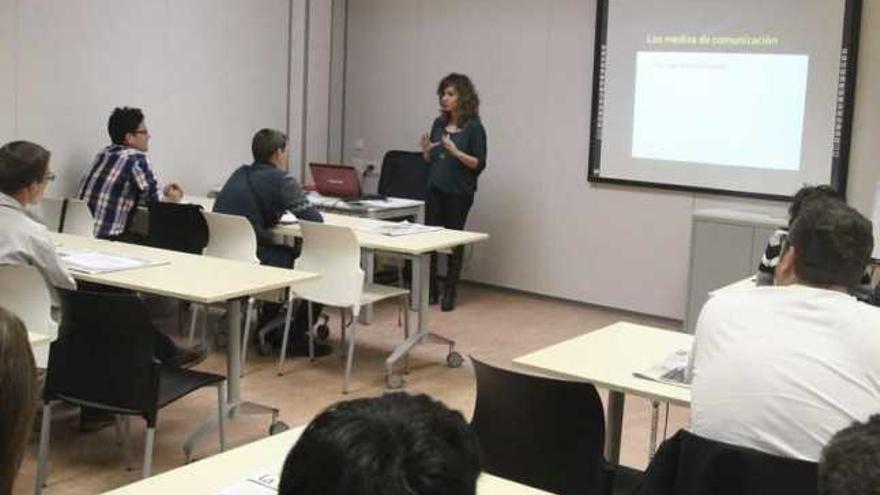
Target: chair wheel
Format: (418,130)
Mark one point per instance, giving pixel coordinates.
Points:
(323,332)
(264,348)
(454,360)
(394,381)
(278,427)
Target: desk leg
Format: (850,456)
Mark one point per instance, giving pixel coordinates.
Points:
(234,404)
(614,427)
(421,266)
(368,263)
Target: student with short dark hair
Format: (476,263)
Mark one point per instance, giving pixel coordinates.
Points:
(396,444)
(24,240)
(262,191)
(18,385)
(780,369)
(121,177)
(773,251)
(850,462)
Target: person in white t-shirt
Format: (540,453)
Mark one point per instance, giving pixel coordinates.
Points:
(782,368)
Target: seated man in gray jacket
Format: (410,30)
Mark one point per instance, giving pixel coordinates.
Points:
(262,192)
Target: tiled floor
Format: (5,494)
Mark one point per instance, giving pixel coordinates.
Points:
(494,324)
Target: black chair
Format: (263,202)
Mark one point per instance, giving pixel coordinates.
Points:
(176,226)
(688,464)
(404,175)
(541,432)
(103,359)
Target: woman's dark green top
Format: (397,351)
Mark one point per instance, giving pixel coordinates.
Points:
(447,173)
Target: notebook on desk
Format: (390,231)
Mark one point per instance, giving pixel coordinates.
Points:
(339,181)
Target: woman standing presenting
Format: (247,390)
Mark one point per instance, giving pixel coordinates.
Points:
(456,152)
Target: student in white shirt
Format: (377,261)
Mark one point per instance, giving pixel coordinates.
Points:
(24,240)
(782,368)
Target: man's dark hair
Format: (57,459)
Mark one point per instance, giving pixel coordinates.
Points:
(397,444)
(807,194)
(123,121)
(850,463)
(22,163)
(266,142)
(833,243)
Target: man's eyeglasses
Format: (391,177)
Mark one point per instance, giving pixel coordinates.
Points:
(140,131)
(49,177)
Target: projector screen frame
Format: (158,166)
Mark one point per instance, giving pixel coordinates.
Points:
(840,142)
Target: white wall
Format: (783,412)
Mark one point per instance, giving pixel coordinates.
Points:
(207,73)
(551,231)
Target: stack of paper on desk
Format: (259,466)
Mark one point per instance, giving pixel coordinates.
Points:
(263,483)
(671,370)
(97,262)
(402,228)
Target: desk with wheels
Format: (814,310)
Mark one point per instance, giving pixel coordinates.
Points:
(198,279)
(607,358)
(219,473)
(416,248)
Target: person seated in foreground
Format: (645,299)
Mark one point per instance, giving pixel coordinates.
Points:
(24,240)
(780,369)
(18,383)
(396,444)
(262,192)
(121,176)
(850,462)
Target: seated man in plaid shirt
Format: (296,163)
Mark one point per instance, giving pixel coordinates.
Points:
(121,177)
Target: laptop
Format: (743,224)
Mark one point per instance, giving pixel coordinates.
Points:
(339,181)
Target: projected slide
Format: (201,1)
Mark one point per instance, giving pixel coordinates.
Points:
(720,108)
(748,97)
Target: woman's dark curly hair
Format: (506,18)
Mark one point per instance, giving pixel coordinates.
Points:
(468,100)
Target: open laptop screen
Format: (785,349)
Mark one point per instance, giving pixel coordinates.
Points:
(340,181)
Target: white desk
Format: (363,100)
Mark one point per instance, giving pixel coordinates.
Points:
(200,279)
(607,358)
(375,209)
(211,475)
(418,249)
(38,341)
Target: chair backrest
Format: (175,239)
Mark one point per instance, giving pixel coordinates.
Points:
(78,219)
(104,352)
(177,226)
(404,175)
(231,237)
(24,292)
(538,431)
(332,251)
(51,211)
(688,464)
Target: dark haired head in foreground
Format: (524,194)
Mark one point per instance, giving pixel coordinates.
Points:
(830,244)
(397,444)
(850,462)
(807,194)
(18,386)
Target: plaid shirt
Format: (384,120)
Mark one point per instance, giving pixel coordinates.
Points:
(120,177)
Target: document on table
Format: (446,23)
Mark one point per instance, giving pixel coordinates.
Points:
(389,202)
(671,370)
(262,483)
(401,228)
(287,219)
(98,262)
